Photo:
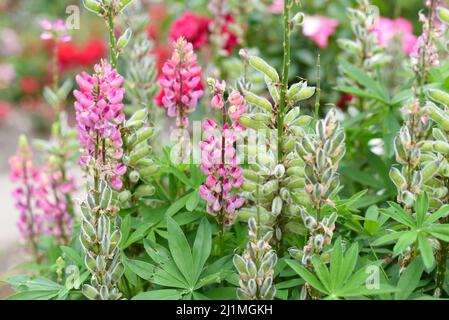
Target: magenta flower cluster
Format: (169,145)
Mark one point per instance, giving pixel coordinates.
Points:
(99,113)
(181,83)
(40,198)
(219,159)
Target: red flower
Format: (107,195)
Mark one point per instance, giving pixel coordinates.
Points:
(4,109)
(158,14)
(71,56)
(194,28)
(232,39)
(344,100)
(29,84)
(162,53)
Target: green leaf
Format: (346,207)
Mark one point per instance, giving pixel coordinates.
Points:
(137,235)
(178,205)
(336,264)
(406,240)
(440,213)
(141,268)
(193,201)
(306,275)
(440,231)
(390,237)
(409,280)
(73,255)
(125,227)
(201,247)
(322,272)
(34,295)
(395,212)
(425,249)
(163,294)
(180,250)
(349,262)
(421,207)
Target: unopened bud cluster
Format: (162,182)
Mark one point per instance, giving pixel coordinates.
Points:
(256,266)
(321,152)
(100,237)
(137,158)
(364,51)
(280,180)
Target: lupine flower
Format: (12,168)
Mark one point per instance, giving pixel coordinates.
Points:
(51,200)
(220,162)
(54,30)
(194,28)
(99,113)
(319,29)
(387,29)
(276,7)
(181,83)
(27,177)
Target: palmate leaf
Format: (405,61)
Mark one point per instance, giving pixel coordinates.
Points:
(409,280)
(421,207)
(398,214)
(426,251)
(406,239)
(322,272)
(388,238)
(440,231)
(180,250)
(201,248)
(440,213)
(143,269)
(306,275)
(163,294)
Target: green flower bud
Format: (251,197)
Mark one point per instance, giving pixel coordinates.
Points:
(134,176)
(139,153)
(93,6)
(276,206)
(123,41)
(443,14)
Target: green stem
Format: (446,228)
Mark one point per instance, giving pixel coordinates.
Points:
(318,87)
(112,41)
(441,268)
(284,87)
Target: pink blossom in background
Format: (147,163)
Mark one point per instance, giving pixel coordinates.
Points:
(51,201)
(9,42)
(387,29)
(319,29)
(27,178)
(277,7)
(54,30)
(181,86)
(7,74)
(99,113)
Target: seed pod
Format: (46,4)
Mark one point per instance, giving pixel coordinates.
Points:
(272,89)
(139,153)
(149,170)
(93,6)
(266,286)
(262,66)
(295,89)
(239,263)
(439,95)
(304,94)
(429,170)
(141,135)
(440,146)
(144,191)
(106,198)
(437,115)
(318,241)
(279,171)
(302,121)
(247,122)
(258,101)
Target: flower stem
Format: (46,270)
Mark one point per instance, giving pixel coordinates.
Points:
(318,87)
(284,86)
(112,41)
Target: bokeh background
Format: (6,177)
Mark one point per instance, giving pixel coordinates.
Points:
(25,67)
